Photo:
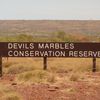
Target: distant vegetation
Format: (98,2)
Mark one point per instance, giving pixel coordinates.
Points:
(49,30)
(58,37)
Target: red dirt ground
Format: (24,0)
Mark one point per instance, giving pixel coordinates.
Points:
(78,90)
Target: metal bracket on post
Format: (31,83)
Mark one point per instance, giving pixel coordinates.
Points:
(45,63)
(94,65)
(0,66)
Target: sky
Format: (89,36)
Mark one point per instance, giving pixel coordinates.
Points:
(50,9)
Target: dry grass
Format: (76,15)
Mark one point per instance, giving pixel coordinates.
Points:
(61,71)
(70,64)
(69,90)
(8,93)
(30,70)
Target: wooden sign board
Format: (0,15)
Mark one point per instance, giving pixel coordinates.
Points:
(50,49)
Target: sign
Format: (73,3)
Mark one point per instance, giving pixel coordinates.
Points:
(50,49)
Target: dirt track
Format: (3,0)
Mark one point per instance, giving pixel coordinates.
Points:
(80,90)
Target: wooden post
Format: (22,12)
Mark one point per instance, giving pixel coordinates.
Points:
(45,63)
(94,65)
(0,66)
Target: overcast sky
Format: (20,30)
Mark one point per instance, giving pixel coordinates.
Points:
(50,9)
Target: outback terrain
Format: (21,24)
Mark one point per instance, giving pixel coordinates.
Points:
(65,78)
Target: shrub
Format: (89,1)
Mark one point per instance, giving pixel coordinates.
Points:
(24,38)
(61,35)
(7,64)
(51,78)
(74,77)
(19,68)
(36,76)
(11,96)
(33,76)
(8,93)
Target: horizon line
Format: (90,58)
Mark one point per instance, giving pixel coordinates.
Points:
(51,19)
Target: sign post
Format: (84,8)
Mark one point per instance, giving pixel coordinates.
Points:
(0,66)
(94,65)
(45,63)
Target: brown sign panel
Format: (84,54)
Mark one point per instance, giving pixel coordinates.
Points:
(49,49)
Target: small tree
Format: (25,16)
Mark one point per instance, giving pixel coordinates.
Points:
(61,35)
(24,38)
